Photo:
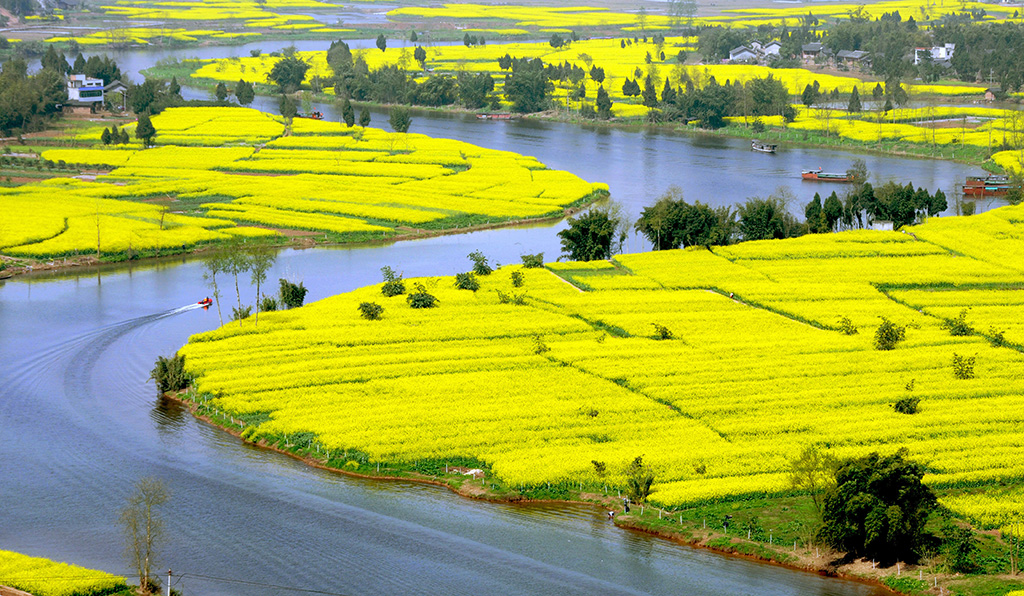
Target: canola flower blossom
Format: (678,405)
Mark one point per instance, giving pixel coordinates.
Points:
(758,365)
(232,168)
(43,577)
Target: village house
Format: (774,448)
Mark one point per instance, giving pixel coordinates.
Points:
(940,54)
(755,52)
(852,57)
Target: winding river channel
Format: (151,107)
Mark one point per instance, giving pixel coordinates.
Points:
(80,423)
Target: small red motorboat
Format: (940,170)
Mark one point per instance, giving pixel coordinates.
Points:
(205,303)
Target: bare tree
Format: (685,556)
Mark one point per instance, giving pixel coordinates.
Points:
(144,528)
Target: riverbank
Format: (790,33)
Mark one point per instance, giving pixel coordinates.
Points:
(689,527)
(11,267)
(955,152)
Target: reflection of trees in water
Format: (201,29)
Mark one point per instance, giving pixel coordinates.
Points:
(168,414)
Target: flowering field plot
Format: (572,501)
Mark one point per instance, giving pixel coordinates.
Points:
(619,63)
(262,14)
(61,217)
(44,577)
(950,126)
(352,183)
(577,17)
(144,35)
(919,9)
(718,367)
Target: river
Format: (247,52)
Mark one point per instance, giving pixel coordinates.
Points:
(80,422)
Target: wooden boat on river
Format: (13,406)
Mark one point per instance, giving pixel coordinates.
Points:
(763,147)
(824,176)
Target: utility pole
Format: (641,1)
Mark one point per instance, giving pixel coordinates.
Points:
(169,582)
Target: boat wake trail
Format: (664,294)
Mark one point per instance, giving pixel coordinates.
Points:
(25,373)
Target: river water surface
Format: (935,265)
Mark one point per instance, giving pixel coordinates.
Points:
(80,422)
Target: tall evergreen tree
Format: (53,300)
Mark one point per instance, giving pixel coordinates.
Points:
(347,113)
(854,101)
(144,130)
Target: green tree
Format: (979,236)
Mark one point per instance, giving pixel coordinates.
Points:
(382,42)
(854,105)
(244,92)
(649,93)
(597,233)
(287,107)
(420,55)
(105,136)
(812,215)
(400,119)
(528,86)
(672,222)
(556,41)
(169,374)
(348,115)
(174,88)
(288,73)
(833,211)
(364,117)
(260,263)
(877,508)
(814,473)
(761,219)
(603,104)
(292,295)
(213,265)
(144,529)
(221,91)
(413,37)
(144,130)
(639,478)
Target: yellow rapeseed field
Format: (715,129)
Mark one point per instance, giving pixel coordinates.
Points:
(760,365)
(44,577)
(635,61)
(236,166)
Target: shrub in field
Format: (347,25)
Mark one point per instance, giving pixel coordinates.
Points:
(889,334)
(393,284)
(466,281)
(847,326)
(662,332)
(242,312)
(639,478)
(169,374)
(963,366)
(907,405)
(518,279)
(268,303)
(480,266)
(533,261)
(959,326)
(516,299)
(371,311)
(996,337)
(539,347)
(421,299)
(292,295)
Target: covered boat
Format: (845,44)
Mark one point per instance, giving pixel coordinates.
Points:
(824,176)
(763,147)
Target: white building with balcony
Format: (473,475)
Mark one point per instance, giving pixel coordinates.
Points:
(84,90)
